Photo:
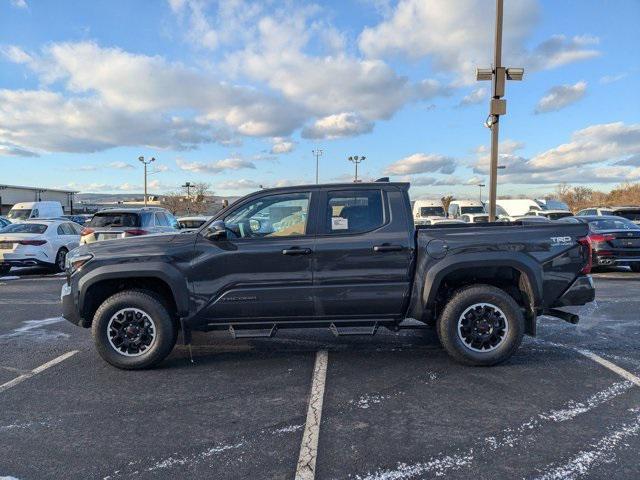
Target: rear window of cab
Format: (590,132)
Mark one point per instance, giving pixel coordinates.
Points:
(115,219)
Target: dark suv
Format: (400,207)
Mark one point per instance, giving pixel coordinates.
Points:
(128,222)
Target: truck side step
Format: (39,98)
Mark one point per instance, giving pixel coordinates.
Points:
(344,331)
(253,332)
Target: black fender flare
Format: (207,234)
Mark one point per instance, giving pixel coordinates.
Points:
(159,270)
(519,261)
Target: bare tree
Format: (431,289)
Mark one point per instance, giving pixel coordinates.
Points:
(446,201)
(196,200)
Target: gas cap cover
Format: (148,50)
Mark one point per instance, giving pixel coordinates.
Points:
(437,248)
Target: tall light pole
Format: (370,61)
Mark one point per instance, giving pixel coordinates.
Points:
(498,106)
(188,186)
(356,160)
(146,162)
(481,185)
(317,153)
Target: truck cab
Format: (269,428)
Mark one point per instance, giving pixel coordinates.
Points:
(30,210)
(425,211)
(457,208)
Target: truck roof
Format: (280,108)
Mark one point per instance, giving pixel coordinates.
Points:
(328,186)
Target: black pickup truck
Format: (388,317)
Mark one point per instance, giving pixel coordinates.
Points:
(343,256)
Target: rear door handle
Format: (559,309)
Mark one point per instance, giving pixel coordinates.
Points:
(388,248)
(296,251)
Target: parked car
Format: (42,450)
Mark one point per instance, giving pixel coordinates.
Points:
(550,214)
(524,219)
(37,242)
(424,211)
(4,221)
(192,223)
(30,210)
(460,207)
(475,217)
(342,256)
(446,221)
(594,211)
(79,219)
(128,222)
(614,240)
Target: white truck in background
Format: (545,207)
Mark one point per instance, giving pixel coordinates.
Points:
(425,212)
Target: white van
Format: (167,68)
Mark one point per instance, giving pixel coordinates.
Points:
(457,208)
(425,211)
(29,210)
(510,208)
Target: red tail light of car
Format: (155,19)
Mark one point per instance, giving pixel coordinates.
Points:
(136,232)
(601,238)
(86,231)
(32,242)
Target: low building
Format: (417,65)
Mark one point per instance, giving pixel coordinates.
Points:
(12,194)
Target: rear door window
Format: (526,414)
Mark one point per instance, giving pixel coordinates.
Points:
(115,219)
(161,219)
(356,211)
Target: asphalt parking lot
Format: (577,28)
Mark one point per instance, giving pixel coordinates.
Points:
(392,406)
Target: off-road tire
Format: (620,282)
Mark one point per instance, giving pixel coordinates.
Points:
(164,326)
(461,300)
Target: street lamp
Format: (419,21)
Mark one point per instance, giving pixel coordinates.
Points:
(317,153)
(356,160)
(188,186)
(481,185)
(498,106)
(146,162)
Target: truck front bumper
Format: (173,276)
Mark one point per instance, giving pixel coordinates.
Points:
(580,292)
(69,307)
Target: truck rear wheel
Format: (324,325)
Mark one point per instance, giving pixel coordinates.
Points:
(481,325)
(133,330)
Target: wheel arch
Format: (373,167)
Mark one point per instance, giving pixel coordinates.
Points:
(163,280)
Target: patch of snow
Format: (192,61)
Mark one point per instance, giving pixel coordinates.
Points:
(289,429)
(32,329)
(436,466)
(191,459)
(9,277)
(601,452)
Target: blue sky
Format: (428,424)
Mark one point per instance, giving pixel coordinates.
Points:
(237,94)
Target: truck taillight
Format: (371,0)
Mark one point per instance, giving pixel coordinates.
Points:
(32,242)
(136,231)
(586,242)
(86,231)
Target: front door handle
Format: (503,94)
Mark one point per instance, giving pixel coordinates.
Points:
(388,248)
(296,251)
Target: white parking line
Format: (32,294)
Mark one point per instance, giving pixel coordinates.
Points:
(611,366)
(306,469)
(37,370)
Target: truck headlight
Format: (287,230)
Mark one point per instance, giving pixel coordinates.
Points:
(74,261)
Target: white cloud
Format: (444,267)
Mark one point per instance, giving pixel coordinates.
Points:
(120,165)
(457,36)
(19,3)
(476,96)
(8,150)
(561,96)
(336,126)
(242,184)
(607,79)
(605,153)
(422,163)
(282,145)
(219,166)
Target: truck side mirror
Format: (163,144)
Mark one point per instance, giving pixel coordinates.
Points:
(216,231)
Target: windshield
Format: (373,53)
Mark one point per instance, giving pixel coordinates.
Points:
(612,224)
(558,215)
(25,228)
(19,214)
(431,211)
(472,209)
(633,215)
(115,219)
(191,223)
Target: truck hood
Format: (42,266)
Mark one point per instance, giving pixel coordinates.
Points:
(142,246)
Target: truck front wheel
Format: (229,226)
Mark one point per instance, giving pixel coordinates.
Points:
(481,325)
(133,330)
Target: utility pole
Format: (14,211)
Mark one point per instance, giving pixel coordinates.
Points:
(498,106)
(481,185)
(188,186)
(146,162)
(356,160)
(317,153)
